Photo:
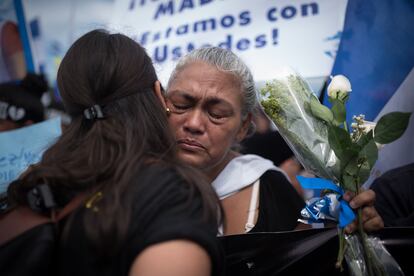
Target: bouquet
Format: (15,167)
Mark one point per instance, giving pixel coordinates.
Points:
(341,156)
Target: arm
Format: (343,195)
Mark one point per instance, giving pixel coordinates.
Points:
(395,196)
(173,258)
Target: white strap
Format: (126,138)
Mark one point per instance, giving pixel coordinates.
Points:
(240,173)
(253,206)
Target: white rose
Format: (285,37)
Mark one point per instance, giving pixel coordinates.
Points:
(339,85)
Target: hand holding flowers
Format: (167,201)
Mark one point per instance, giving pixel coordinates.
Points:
(371,220)
(320,138)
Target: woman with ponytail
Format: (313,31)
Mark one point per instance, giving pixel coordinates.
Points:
(142,211)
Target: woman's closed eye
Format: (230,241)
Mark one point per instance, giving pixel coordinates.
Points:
(180,107)
(217,115)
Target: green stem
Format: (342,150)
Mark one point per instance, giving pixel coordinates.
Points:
(345,126)
(367,254)
(341,252)
(363,236)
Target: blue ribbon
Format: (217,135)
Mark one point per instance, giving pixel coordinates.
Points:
(346,214)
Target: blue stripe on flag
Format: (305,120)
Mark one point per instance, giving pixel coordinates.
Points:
(376,52)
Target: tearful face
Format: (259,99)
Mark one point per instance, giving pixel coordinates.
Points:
(206,115)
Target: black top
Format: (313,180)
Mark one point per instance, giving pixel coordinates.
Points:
(395,196)
(279,204)
(269,145)
(161,212)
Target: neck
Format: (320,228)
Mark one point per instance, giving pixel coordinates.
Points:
(213,172)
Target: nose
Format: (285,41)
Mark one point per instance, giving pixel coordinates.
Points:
(195,123)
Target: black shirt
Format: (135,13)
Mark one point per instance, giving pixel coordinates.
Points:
(161,212)
(269,145)
(279,204)
(395,196)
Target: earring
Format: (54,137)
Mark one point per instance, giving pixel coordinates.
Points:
(168,111)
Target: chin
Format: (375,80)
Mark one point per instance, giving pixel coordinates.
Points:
(192,160)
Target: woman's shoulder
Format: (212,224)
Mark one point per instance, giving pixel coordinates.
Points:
(275,175)
(276,183)
(160,186)
(279,203)
(157,176)
(167,207)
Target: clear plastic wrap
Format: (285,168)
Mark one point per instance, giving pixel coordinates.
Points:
(287,100)
(294,108)
(385,264)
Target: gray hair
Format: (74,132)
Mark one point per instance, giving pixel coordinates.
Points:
(226,61)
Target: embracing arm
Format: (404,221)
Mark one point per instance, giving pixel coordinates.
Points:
(173,258)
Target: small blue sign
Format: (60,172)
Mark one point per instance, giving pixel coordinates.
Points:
(23,147)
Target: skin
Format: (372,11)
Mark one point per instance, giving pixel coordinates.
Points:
(206,116)
(6,125)
(292,169)
(206,119)
(179,257)
(371,220)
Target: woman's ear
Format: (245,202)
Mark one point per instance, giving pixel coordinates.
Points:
(159,93)
(244,128)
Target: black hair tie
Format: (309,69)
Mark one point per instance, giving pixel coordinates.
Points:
(94,112)
(40,198)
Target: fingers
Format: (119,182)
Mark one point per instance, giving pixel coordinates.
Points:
(365,198)
(368,213)
(348,196)
(371,221)
(374,224)
(350,228)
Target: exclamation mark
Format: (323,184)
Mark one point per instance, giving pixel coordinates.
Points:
(275,33)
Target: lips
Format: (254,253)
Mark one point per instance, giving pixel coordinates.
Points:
(190,145)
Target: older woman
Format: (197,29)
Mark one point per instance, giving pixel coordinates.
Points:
(210,99)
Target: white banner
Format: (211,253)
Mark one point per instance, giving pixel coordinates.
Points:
(303,34)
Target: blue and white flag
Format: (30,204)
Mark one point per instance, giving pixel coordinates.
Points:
(377,54)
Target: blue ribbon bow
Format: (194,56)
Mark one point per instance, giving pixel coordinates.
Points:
(346,214)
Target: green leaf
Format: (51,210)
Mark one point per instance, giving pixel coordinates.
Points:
(350,174)
(339,140)
(352,167)
(319,110)
(339,112)
(364,173)
(348,154)
(370,153)
(391,126)
(365,138)
(348,183)
(357,171)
